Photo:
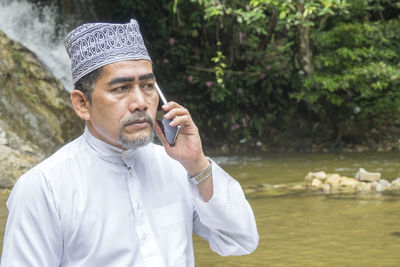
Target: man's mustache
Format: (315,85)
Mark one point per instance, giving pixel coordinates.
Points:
(138,116)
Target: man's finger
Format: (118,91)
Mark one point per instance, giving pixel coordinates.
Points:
(170,105)
(181,120)
(176,112)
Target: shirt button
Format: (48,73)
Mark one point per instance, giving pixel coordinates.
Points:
(138,206)
(144,237)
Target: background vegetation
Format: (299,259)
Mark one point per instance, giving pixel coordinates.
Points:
(318,71)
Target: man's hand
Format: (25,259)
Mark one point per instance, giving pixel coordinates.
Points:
(188,148)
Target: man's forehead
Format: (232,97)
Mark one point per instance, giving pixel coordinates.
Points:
(128,71)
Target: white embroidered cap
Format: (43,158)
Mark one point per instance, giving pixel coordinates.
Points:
(93,45)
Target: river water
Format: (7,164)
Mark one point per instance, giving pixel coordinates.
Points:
(305,229)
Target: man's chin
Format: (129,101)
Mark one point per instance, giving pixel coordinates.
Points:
(135,142)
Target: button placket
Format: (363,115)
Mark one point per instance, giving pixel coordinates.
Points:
(147,243)
(144,237)
(138,206)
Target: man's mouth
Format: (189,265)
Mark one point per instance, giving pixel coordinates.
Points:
(138,123)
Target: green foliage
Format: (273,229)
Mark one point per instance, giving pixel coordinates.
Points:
(238,66)
(357,82)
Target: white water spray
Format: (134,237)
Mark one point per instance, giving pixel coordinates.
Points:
(35,28)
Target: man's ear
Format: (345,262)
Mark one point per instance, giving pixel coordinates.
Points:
(81,104)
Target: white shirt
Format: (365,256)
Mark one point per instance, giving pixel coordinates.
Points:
(92,204)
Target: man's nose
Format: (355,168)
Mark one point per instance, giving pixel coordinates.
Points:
(137,100)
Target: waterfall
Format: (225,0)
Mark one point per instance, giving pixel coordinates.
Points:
(36,28)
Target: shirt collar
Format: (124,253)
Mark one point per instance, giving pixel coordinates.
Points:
(109,152)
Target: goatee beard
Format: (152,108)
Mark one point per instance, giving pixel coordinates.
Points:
(127,143)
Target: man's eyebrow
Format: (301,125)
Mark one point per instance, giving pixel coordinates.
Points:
(117,80)
(147,76)
(121,80)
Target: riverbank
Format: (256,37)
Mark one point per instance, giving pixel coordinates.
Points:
(387,140)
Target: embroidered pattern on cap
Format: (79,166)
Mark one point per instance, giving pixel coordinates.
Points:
(94,45)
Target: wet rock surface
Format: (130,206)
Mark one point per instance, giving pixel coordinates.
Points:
(36,116)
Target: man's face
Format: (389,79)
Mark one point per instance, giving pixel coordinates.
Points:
(124,104)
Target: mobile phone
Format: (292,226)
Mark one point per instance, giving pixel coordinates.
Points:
(170,133)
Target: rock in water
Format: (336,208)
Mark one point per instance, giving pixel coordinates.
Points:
(396,184)
(364,187)
(316,184)
(333,180)
(36,116)
(315,175)
(363,175)
(348,182)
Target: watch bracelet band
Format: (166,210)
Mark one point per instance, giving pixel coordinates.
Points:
(204,174)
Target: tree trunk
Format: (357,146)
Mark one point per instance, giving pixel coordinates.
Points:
(306,57)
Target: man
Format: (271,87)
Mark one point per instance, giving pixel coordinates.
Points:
(111,197)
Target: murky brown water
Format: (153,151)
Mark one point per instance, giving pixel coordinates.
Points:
(316,230)
(311,230)
(319,231)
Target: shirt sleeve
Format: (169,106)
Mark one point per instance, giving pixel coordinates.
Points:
(33,235)
(226,221)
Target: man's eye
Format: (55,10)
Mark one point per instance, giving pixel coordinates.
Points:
(148,86)
(120,89)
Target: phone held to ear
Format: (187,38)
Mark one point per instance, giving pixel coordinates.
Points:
(170,133)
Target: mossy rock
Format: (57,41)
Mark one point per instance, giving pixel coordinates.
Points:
(36,116)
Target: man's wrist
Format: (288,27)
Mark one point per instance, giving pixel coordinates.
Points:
(197,167)
(203,175)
